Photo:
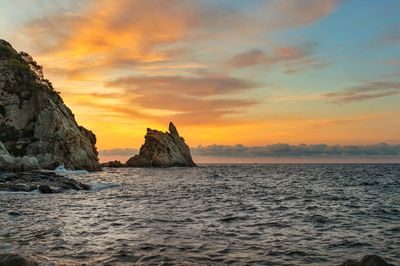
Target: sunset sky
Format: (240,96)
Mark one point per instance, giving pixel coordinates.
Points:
(225,72)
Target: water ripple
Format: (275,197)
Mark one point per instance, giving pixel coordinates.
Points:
(214,214)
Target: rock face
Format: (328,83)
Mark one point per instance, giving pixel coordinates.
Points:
(16,164)
(162,150)
(368,260)
(36,127)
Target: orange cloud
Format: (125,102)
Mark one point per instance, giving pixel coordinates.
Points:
(127,32)
(108,36)
(153,51)
(188,100)
(195,86)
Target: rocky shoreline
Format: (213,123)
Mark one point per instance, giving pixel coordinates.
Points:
(46,182)
(367,260)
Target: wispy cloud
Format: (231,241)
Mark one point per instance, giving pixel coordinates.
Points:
(390,36)
(194,86)
(258,57)
(125,33)
(185,101)
(293,58)
(281,14)
(366,91)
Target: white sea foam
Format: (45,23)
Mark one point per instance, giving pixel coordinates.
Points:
(100,186)
(61,170)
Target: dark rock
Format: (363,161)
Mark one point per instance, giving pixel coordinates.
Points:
(115,164)
(368,260)
(45,189)
(16,187)
(45,182)
(16,260)
(162,150)
(84,186)
(37,129)
(14,213)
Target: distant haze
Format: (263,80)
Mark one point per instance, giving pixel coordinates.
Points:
(281,153)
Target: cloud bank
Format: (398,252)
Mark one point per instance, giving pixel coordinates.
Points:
(119,152)
(302,150)
(382,150)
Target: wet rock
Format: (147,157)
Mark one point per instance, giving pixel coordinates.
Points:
(368,260)
(37,130)
(162,150)
(14,213)
(115,164)
(16,187)
(45,189)
(15,164)
(85,186)
(45,182)
(16,260)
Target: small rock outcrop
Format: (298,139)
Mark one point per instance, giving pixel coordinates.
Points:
(114,164)
(16,260)
(37,129)
(162,150)
(44,181)
(367,260)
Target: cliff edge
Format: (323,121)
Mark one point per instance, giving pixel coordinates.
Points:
(37,130)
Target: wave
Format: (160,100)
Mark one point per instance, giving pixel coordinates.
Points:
(61,170)
(101,186)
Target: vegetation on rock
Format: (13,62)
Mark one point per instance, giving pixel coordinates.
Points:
(34,121)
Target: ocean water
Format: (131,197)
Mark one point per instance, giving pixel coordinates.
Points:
(211,215)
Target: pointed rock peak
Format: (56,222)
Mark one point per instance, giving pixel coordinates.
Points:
(163,149)
(172,129)
(6,50)
(5,43)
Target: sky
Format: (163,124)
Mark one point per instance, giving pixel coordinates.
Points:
(228,73)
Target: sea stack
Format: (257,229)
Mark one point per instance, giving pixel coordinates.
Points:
(37,130)
(163,150)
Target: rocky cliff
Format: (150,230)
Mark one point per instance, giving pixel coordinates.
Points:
(162,150)
(35,125)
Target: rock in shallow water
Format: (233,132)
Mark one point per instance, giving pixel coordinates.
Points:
(16,260)
(162,150)
(115,164)
(45,182)
(37,129)
(45,189)
(368,260)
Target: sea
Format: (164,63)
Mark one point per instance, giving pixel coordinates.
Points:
(237,214)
